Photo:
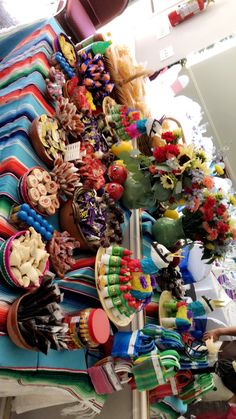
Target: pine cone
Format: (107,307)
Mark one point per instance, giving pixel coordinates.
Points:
(66,175)
(68,117)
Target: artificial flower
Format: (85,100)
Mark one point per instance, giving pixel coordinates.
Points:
(168,181)
(186,154)
(199,165)
(201,155)
(161,154)
(222,227)
(213,235)
(221,209)
(208,182)
(168,136)
(219,170)
(232,200)
(196,203)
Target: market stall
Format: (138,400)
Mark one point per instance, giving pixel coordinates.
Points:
(80,153)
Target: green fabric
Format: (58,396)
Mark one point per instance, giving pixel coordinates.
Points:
(78,385)
(154,369)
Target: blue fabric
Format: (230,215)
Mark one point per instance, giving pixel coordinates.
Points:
(187,276)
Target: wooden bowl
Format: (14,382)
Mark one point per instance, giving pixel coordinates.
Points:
(12,326)
(37,143)
(69,221)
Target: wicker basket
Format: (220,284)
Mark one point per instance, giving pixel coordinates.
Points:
(144,143)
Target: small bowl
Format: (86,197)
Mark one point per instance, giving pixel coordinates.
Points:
(5,263)
(37,143)
(12,326)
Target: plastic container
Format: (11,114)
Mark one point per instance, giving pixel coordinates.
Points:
(88,328)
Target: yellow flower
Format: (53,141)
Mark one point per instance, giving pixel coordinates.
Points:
(178,133)
(168,182)
(171,214)
(232,200)
(198,164)
(219,170)
(201,155)
(185,157)
(186,151)
(210,246)
(181,201)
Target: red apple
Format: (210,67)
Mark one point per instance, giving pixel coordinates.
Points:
(115,190)
(117,173)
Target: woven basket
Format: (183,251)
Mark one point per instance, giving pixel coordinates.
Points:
(144,143)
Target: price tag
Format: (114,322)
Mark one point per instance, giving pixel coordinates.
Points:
(73,152)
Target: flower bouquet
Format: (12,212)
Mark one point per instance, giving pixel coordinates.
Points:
(175,174)
(210,223)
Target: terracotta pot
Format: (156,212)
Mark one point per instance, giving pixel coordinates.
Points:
(12,326)
(38,145)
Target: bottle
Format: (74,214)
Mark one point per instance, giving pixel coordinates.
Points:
(90,40)
(98,47)
(186,9)
(118,251)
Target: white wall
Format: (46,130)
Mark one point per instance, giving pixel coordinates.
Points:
(200,31)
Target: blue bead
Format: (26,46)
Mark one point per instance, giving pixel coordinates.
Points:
(48,235)
(50,228)
(38,218)
(44,223)
(22,215)
(42,231)
(32,212)
(30,221)
(36,226)
(25,207)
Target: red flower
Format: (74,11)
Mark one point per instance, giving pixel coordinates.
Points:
(221,209)
(152,169)
(210,202)
(208,214)
(172,149)
(222,227)
(161,154)
(168,136)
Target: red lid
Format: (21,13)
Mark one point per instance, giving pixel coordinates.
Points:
(99,326)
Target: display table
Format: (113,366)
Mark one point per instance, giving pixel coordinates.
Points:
(25,56)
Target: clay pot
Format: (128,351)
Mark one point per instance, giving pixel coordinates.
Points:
(12,326)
